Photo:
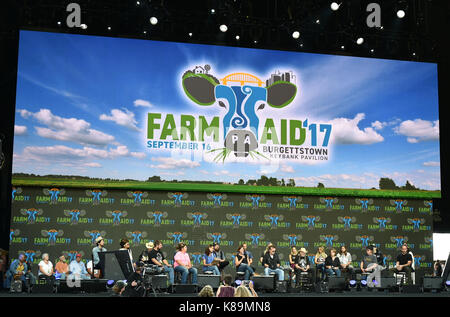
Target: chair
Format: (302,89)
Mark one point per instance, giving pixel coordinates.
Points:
(413,271)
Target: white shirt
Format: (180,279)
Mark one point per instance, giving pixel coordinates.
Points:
(345,259)
(47,268)
(89,267)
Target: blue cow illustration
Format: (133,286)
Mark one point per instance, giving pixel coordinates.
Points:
(292,240)
(30,256)
(292,202)
(32,215)
(196,258)
(197,218)
(382,223)
(236,219)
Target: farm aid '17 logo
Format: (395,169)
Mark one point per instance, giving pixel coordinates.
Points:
(240,132)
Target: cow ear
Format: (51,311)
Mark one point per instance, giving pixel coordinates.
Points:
(280,94)
(200,87)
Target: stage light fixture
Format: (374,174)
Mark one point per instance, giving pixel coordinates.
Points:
(401,14)
(223,28)
(153,20)
(301,44)
(342,47)
(360,41)
(334,6)
(363,283)
(145,32)
(190,34)
(317,21)
(109,28)
(237,37)
(138,3)
(213,11)
(59,22)
(296,34)
(447,286)
(83,26)
(372,50)
(110,283)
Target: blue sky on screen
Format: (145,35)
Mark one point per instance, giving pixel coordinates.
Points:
(82,101)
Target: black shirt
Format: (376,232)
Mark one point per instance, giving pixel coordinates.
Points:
(239,257)
(158,255)
(333,263)
(272,262)
(403,259)
(219,254)
(134,291)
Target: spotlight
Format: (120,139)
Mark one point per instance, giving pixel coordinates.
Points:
(190,34)
(301,44)
(447,286)
(213,11)
(296,34)
(153,20)
(109,28)
(401,14)
(360,41)
(352,284)
(372,50)
(343,47)
(334,6)
(237,37)
(145,32)
(138,3)
(223,28)
(255,41)
(363,283)
(110,283)
(317,21)
(83,26)
(59,22)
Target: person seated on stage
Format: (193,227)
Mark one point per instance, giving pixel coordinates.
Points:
(157,258)
(78,269)
(135,283)
(437,269)
(46,268)
(345,259)
(30,275)
(379,256)
(226,290)
(17,271)
(369,264)
(403,264)
(118,289)
(125,245)
(62,267)
(208,261)
(95,251)
(206,291)
(241,263)
(182,264)
(332,264)
(272,263)
(293,259)
(95,273)
(302,265)
(319,260)
(264,253)
(144,257)
(249,256)
(220,255)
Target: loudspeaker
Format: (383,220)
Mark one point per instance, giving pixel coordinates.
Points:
(93,286)
(43,286)
(387,282)
(159,281)
(281,286)
(411,289)
(432,282)
(264,282)
(185,288)
(16,286)
(336,283)
(208,279)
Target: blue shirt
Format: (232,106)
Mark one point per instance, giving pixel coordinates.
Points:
(77,268)
(208,259)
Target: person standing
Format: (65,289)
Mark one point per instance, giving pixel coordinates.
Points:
(100,242)
(272,263)
(157,258)
(125,245)
(182,264)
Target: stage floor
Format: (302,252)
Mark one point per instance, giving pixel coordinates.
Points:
(6,294)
